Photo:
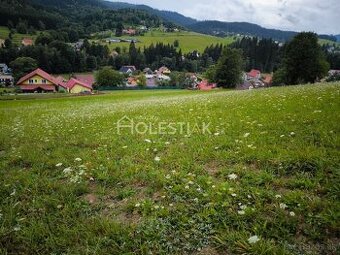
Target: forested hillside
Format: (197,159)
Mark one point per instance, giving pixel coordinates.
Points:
(85,16)
(220,28)
(170,16)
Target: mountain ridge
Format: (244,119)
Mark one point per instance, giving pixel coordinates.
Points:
(215,27)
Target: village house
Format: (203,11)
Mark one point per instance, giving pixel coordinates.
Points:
(4,69)
(129,31)
(205,85)
(6,80)
(164,70)
(131,82)
(253,75)
(75,86)
(27,42)
(333,72)
(85,78)
(128,70)
(39,81)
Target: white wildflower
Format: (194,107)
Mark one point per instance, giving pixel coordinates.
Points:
(232,176)
(253,239)
(157,158)
(67,170)
(233,195)
(241,212)
(147,140)
(283,206)
(292,214)
(278,196)
(137,205)
(59,164)
(246,135)
(78,159)
(17,228)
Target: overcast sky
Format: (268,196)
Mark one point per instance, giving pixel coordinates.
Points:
(321,16)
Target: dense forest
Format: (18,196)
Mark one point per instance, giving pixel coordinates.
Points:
(220,28)
(87,16)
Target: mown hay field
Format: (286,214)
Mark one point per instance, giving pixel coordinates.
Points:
(262,178)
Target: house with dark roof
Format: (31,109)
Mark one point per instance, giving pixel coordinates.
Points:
(127,69)
(6,79)
(4,69)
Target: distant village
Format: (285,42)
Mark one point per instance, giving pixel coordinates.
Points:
(39,81)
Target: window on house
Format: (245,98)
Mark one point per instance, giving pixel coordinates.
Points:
(30,81)
(43,81)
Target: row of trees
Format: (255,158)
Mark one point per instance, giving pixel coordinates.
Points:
(303,60)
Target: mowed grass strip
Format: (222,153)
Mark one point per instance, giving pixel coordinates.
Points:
(188,41)
(269,167)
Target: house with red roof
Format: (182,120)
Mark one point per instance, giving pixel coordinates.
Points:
(254,75)
(27,42)
(85,78)
(75,86)
(40,81)
(205,85)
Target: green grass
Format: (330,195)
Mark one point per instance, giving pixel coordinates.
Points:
(110,195)
(17,38)
(324,41)
(188,41)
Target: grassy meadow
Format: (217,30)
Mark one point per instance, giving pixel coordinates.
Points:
(263,180)
(17,38)
(188,41)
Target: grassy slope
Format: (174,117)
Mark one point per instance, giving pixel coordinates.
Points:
(188,41)
(324,41)
(17,38)
(184,202)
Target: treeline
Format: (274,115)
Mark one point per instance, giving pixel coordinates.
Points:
(332,53)
(59,57)
(264,55)
(84,17)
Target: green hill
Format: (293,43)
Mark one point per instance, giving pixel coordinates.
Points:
(17,38)
(188,41)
